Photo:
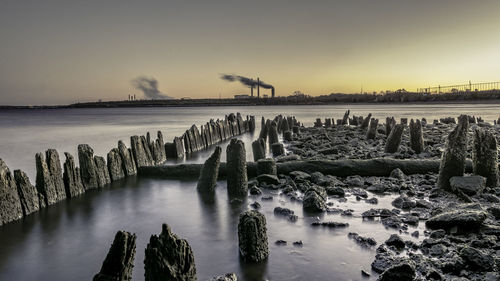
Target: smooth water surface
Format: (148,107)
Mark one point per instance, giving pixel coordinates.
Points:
(69,240)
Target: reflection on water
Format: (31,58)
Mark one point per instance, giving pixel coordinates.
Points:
(72,238)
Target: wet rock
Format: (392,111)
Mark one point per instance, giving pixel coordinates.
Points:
(255,205)
(277,149)
(470,185)
(403,202)
(397,174)
(115,165)
(237,181)
(476,259)
(286,213)
(259,149)
(254,190)
(209,172)
(300,176)
(227,277)
(44,183)
(88,168)
(366,242)
(168,257)
(119,261)
(485,156)
(72,178)
(416,136)
(28,195)
(10,205)
(401,272)
(174,149)
(453,158)
(394,139)
(267,166)
(335,190)
(280,242)
(396,241)
(298,243)
(467,220)
(331,224)
(314,200)
(288,136)
(268,179)
(102,172)
(56,174)
(372,130)
(128,161)
(252,236)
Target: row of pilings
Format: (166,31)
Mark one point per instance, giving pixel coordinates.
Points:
(168,257)
(54,183)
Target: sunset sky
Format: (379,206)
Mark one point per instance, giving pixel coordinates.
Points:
(59,52)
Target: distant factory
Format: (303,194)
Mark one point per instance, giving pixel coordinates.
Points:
(250,83)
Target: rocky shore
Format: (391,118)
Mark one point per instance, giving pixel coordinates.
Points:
(442,174)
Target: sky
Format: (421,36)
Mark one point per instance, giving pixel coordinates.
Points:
(60,52)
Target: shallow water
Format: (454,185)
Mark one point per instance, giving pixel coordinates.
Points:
(71,238)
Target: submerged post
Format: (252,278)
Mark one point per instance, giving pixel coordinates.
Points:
(209,172)
(252,236)
(416,136)
(237,180)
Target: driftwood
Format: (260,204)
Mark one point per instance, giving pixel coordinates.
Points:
(341,168)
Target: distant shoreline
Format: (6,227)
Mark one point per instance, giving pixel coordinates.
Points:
(334,99)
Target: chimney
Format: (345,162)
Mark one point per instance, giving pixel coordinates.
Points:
(251,89)
(272,92)
(258,88)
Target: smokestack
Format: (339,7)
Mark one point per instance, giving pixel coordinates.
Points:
(272,92)
(258,88)
(251,90)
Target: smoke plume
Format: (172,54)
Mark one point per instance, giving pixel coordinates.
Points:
(149,86)
(251,83)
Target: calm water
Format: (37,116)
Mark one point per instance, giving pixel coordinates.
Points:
(72,238)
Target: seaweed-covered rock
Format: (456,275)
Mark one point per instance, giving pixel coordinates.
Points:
(227,277)
(128,161)
(87,166)
(169,258)
(72,178)
(28,195)
(10,205)
(252,236)
(115,165)
(237,179)
(209,172)
(119,261)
